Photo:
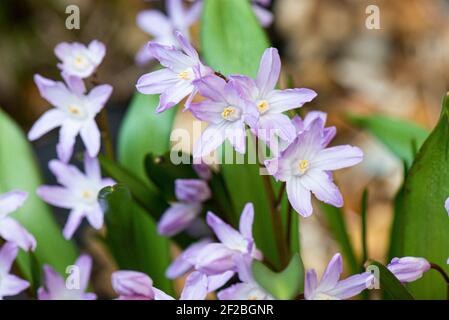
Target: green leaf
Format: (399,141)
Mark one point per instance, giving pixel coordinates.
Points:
(397,135)
(336,223)
(364,213)
(424,219)
(388,282)
(285,285)
(233,42)
(151,200)
(132,238)
(143,132)
(19,170)
(163,173)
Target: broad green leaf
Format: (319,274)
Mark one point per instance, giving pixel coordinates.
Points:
(148,198)
(388,282)
(151,200)
(130,236)
(19,170)
(397,228)
(284,285)
(336,223)
(425,221)
(364,213)
(397,135)
(143,132)
(163,172)
(233,42)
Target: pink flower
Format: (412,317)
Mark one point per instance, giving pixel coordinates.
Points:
(56,288)
(74,113)
(78,193)
(175,82)
(10,285)
(306,167)
(408,269)
(227,113)
(331,287)
(10,229)
(270,102)
(79,60)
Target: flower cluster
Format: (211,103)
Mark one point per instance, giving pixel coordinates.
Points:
(74,112)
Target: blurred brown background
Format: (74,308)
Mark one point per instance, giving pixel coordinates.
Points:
(400,70)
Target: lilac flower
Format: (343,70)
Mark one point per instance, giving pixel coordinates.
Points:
(306,164)
(217,258)
(408,269)
(198,284)
(56,288)
(79,60)
(264,16)
(190,193)
(78,193)
(74,113)
(175,82)
(446,205)
(163,28)
(10,229)
(133,285)
(302,125)
(248,289)
(331,287)
(186,260)
(226,112)
(10,285)
(271,103)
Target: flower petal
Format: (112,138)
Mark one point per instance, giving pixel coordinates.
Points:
(67,135)
(246,221)
(73,222)
(84,263)
(90,134)
(226,234)
(192,190)
(154,23)
(95,217)
(57,196)
(174,95)
(132,284)
(98,96)
(178,217)
(11,201)
(195,287)
(54,92)
(170,57)
(352,286)
(8,253)
(97,51)
(284,100)
(269,70)
(299,197)
(50,120)
(215,258)
(332,274)
(156,82)
(12,285)
(311,284)
(322,187)
(264,16)
(92,168)
(12,231)
(211,138)
(339,157)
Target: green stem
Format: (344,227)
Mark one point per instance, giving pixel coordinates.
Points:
(443,273)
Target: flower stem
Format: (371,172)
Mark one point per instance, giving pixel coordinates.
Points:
(280,195)
(441,271)
(103,124)
(276,222)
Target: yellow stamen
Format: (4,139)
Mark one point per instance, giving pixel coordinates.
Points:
(86,194)
(303,166)
(263,106)
(184,75)
(74,110)
(228,112)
